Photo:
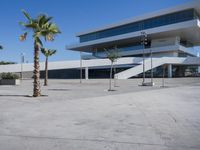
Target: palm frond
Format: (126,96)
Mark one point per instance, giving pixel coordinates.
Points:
(26,15)
(54,29)
(38,41)
(48,19)
(22,23)
(48,52)
(52,52)
(44,51)
(41,20)
(31,25)
(23,36)
(41,27)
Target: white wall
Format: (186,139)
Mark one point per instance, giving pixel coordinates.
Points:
(68,64)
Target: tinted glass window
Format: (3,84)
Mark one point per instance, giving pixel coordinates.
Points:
(141,25)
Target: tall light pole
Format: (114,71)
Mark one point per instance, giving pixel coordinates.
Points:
(143,42)
(163,77)
(81,68)
(152,83)
(22,61)
(198,55)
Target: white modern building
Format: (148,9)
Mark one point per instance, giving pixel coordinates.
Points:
(171,35)
(168,35)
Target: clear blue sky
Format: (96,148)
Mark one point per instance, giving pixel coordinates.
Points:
(71,16)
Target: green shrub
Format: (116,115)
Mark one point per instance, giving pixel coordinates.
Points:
(9,76)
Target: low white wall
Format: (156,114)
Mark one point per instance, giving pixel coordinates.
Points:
(68,64)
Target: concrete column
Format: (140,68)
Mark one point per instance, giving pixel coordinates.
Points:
(170,71)
(86,73)
(199,69)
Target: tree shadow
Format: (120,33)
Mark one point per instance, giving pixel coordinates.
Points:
(6,95)
(30,96)
(111,90)
(58,89)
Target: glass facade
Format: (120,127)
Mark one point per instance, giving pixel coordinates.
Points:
(167,19)
(123,48)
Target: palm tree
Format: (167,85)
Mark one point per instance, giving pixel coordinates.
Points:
(112,55)
(1,47)
(41,27)
(47,53)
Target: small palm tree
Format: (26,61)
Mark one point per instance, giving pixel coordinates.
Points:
(1,47)
(47,53)
(41,27)
(112,55)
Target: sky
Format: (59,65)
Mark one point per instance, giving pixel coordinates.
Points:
(71,16)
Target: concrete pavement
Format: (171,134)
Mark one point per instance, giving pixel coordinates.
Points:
(87,117)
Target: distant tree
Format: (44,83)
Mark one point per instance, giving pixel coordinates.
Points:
(6,63)
(112,55)
(41,27)
(47,53)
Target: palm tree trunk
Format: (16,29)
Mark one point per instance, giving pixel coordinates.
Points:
(46,72)
(110,81)
(36,83)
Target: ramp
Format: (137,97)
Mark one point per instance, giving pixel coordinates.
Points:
(156,63)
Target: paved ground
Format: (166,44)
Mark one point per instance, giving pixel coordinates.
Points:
(87,117)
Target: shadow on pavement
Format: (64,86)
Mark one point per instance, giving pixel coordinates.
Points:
(58,89)
(21,95)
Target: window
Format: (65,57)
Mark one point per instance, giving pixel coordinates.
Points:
(140,25)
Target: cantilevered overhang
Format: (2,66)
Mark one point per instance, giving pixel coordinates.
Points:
(188,30)
(194,4)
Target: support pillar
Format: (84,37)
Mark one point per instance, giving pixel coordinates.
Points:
(170,71)
(86,73)
(199,69)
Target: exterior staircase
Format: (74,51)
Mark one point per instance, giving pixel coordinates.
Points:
(156,63)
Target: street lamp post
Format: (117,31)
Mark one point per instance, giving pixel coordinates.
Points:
(143,42)
(198,55)
(81,68)
(22,61)
(163,77)
(151,68)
